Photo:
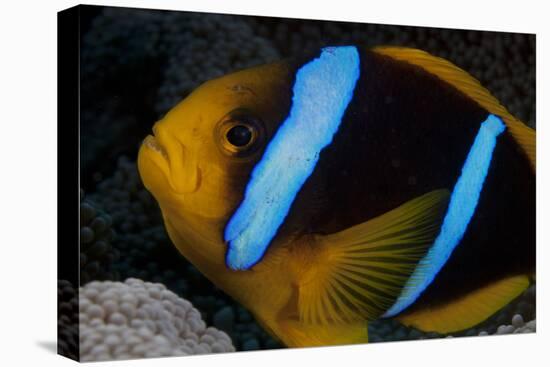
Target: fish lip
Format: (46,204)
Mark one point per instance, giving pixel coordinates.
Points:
(156,153)
(153,144)
(166,152)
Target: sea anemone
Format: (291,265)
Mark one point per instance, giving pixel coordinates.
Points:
(137,319)
(67,319)
(96,252)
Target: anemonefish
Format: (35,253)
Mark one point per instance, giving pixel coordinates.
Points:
(347,185)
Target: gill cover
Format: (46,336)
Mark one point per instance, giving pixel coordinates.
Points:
(292,154)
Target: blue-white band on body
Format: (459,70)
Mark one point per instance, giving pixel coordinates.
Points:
(462,206)
(321,93)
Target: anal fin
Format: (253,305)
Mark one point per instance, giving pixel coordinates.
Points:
(468,310)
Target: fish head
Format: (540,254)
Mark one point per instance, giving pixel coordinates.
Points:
(201,154)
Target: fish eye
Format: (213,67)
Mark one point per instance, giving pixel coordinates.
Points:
(239,133)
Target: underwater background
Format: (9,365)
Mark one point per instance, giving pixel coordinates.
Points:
(137,64)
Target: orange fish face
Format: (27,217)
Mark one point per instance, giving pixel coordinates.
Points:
(199,160)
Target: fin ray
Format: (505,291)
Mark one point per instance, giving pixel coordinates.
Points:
(351,281)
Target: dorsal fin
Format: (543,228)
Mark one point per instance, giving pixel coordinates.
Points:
(360,271)
(464,82)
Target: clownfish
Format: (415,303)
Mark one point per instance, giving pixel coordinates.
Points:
(347,185)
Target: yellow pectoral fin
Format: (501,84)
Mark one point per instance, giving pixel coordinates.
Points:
(469,310)
(465,83)
(361,271)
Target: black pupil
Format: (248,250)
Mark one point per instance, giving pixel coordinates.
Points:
(239,135)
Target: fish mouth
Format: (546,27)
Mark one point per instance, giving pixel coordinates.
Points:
(152,143)
(172,159)
(153,157)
